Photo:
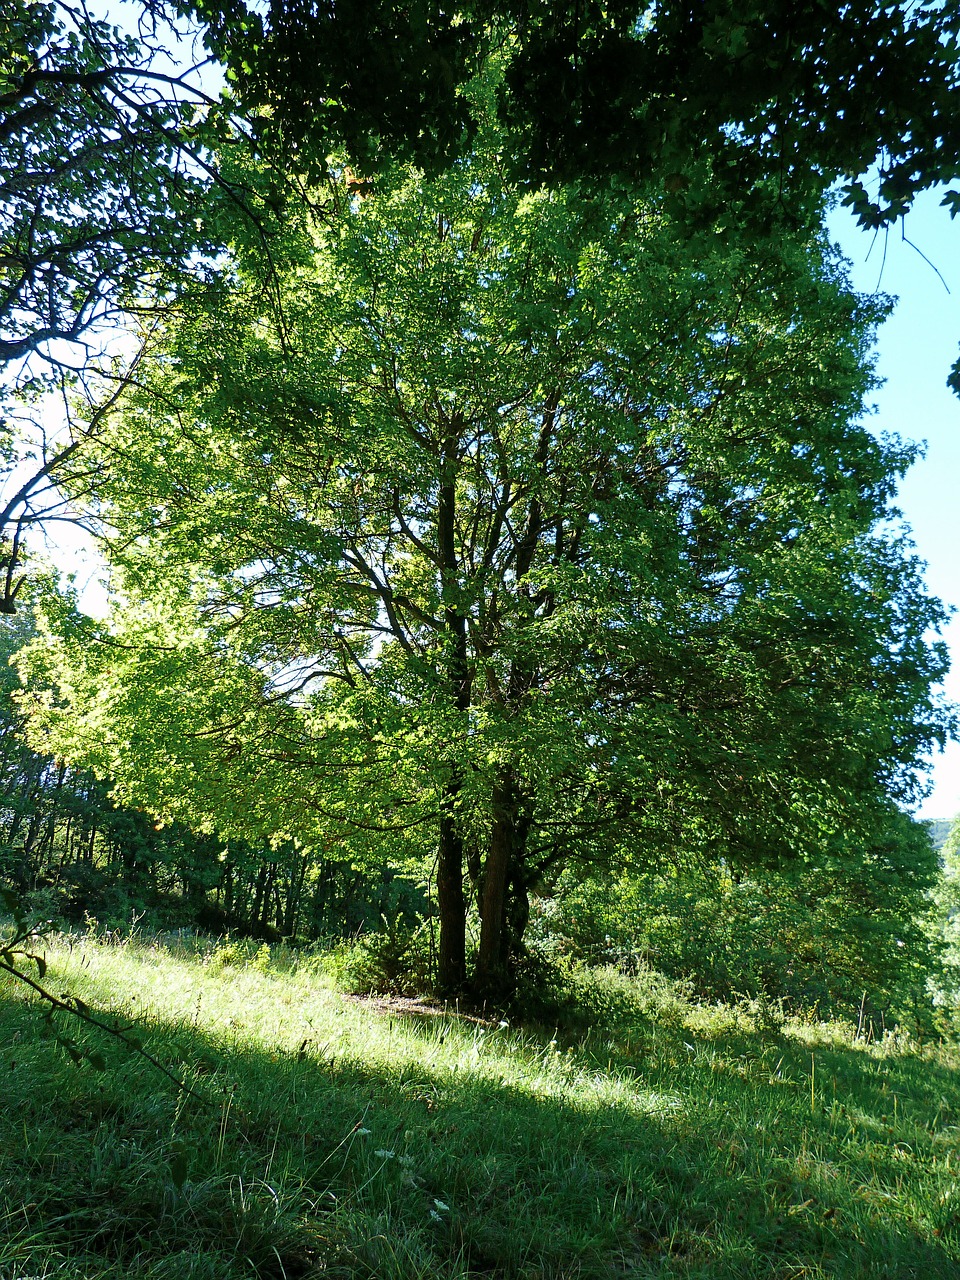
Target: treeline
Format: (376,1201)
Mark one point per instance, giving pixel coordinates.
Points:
(75,853)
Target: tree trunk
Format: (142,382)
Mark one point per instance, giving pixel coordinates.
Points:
(504,909)
(451,903)
(298,874)
(257,906)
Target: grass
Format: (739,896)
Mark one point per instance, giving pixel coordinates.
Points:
(339,1140)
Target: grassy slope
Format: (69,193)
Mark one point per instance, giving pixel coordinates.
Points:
(340,1142)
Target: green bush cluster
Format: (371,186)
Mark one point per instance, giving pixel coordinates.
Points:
(803,945)
(397,959)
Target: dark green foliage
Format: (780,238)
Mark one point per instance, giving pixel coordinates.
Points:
(100,205)
(849,941)
(396,959)
(779,99)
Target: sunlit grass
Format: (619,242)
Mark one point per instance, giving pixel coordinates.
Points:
(339,1140)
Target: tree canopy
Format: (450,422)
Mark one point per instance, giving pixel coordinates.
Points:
(514,530)
(805,94)
(101,220)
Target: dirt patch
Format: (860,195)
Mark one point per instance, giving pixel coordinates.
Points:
(421,1007)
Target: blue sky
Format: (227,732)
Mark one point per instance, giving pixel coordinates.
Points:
(916,348)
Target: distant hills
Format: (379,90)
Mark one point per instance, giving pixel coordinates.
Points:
(939,829)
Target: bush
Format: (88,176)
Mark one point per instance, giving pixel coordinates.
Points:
(396,960)
(239,954)
(787,945)
(574,998)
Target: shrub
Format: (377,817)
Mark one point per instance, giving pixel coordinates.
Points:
(396,960)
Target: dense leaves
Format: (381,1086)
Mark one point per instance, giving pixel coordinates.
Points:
(802,93)
(100,201)
(541,531)
(102,218)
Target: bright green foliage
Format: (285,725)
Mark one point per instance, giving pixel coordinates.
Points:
(70,852)
(528,527)
(67,850)
(945,925)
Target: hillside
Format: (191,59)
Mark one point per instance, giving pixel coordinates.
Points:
(939,829)
(344,1138)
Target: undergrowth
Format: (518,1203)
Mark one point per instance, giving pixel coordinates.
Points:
(645,1136)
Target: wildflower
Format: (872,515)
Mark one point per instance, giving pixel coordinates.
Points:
(384,1155)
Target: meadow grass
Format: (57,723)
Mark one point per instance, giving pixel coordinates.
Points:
(339,1139)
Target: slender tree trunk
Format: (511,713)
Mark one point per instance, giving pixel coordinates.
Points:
(226,883)
(298,874)
(451,903)
(257,907)
(268,895)
(33,829)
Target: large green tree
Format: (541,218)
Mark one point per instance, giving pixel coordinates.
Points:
(532,528)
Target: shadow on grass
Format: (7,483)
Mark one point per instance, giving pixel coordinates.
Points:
(667,1156)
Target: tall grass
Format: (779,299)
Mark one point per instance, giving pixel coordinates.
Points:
(340,1139)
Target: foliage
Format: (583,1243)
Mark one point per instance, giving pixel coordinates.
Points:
(549,537)
(854,945)
(70,852)
(742,114)
(804,93)
(102,218)
(100,202)
(396,959)
(945,924)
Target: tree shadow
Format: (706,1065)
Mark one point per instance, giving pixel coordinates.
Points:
(309,1161)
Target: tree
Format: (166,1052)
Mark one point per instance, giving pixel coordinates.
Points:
(802,93)
(543,531)
(103,181)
